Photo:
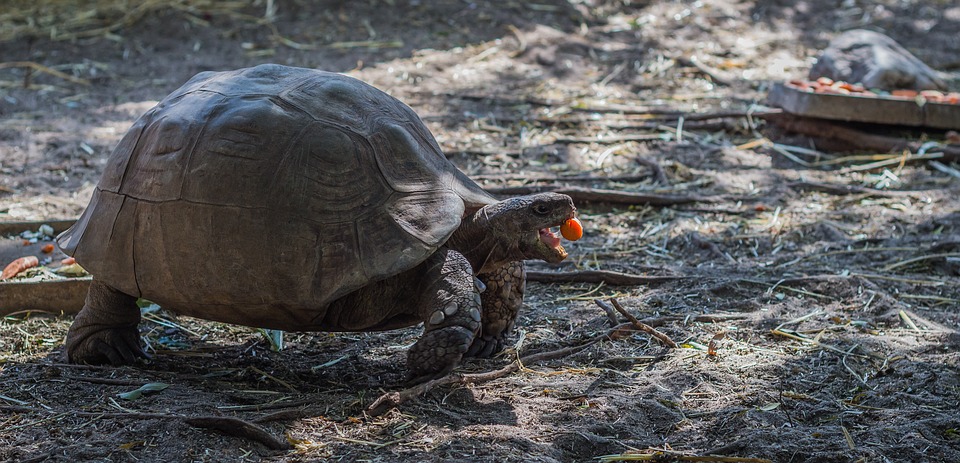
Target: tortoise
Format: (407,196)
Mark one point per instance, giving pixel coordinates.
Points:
(301,200)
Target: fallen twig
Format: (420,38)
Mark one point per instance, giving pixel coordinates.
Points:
(704,243)
(945,168)
(108,381)
(673,456)
(919,259)
(842,190)
(638,324)
(44,69)
(611,138)
(228,425)
(598,276)
(238,428)
(713,74)
(603,196)
(659,175)
(898,160)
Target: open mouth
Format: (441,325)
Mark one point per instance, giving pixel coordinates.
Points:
(551,241)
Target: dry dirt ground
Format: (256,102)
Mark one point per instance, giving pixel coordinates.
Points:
(833,283)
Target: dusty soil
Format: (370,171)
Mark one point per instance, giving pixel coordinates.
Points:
(840,338)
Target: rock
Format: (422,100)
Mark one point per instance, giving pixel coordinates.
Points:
(876,61)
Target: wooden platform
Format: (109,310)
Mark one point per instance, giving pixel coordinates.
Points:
(870,109)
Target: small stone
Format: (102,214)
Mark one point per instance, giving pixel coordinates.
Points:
(475,314)
(451,308)
(437,318)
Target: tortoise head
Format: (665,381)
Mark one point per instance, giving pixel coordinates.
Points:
(516,229)
(534,217)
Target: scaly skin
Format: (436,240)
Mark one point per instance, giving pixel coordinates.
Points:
(501,301)
(105,330)
(453,318)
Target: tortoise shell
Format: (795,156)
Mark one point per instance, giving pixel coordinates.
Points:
(255,196)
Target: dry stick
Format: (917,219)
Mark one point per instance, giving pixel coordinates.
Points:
(660,135)
(238,428)
(603,196)
(228,425)
(555,178)
(611,138)
(44,69)
(269,406)
(659,175)
(598,276)
(931,325)
(109,381)
(714,75)
(843,190)
(611,313)
(391,400)
(899,160)
(620,108)
(655,457)
(918,259)
(703,243)
(638,324)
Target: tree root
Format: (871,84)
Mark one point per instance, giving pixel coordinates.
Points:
(238,428)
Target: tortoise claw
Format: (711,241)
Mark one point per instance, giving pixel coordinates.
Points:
(105,331)
(116,346)
(485,346)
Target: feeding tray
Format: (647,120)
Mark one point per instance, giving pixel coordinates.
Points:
(46,295)
(837,103)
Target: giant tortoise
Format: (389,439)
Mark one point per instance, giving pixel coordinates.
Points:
(301,200)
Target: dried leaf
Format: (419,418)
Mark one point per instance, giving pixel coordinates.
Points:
(275,337)
(712,346)
(145,389)
(72,270)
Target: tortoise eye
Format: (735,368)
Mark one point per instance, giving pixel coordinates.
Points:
(541,209)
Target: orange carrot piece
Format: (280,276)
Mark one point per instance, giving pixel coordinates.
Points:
(572,229)
(904,93)
(19,265)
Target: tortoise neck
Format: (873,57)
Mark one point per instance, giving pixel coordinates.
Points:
(477,239)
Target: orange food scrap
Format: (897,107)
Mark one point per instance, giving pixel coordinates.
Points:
(19,265)
(68,261)
(572,229)
(904,93)
(47,248)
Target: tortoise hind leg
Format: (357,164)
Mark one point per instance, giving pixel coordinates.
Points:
(105,330)
(451,306)
(501,301)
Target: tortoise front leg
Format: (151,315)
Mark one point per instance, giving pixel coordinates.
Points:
(105,330)
(501,301)
(452,317)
